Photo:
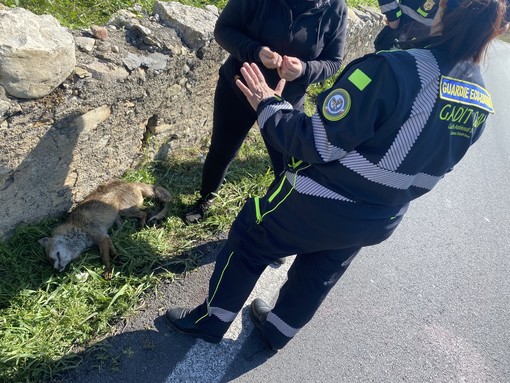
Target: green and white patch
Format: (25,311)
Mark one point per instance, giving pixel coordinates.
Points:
(336,105)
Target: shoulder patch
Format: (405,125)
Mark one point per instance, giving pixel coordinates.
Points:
(336,105)
(467,93)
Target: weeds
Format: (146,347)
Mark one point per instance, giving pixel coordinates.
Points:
(84,13)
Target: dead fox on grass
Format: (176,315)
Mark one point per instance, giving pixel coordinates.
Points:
(88,223)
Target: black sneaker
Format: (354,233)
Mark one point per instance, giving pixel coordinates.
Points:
(184,321)
(258,314)
(198,211)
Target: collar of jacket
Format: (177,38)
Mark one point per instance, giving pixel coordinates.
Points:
(313,5)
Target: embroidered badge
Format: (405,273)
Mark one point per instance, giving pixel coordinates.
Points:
(336,105)
(466,93)
(428,5)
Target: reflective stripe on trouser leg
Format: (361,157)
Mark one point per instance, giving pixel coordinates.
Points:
(310,279)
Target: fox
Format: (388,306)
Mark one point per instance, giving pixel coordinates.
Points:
(88,223)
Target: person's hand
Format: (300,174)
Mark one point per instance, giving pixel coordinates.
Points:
(270,59)
(393,24)
(291,68)
(256,88)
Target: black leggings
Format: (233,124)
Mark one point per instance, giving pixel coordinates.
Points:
(232,120)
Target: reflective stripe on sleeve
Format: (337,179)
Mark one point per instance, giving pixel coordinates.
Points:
(429,73)
(389,7)
(357,163)
(270,110)
(305,185)
(415,15)
(327,150)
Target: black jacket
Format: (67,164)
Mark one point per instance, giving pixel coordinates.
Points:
(388,130)
(311,30)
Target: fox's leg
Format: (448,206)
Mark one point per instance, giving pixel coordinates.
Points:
(118,221)
(111,248)
(106,248)
(162,195)
(135,213)
(160,215)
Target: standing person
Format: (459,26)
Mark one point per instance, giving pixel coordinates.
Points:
(389,129)
(406,20)
(301,41)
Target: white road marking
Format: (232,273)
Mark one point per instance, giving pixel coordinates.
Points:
(207,362)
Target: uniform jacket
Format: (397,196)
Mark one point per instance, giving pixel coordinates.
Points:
(390,128)
(422,11)
(312,30)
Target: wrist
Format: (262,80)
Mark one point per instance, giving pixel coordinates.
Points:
(269,100)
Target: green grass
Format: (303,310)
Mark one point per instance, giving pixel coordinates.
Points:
(47,318)
(84,13)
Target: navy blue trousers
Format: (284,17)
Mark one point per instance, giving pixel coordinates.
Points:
(324,238)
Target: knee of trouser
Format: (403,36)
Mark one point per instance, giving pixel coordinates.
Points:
(221,156)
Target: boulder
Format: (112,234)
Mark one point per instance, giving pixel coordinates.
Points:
(195,26)
(36,53)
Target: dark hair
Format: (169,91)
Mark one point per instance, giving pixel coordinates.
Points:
(468,26)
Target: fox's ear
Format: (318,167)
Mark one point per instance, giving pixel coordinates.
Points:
(43,241)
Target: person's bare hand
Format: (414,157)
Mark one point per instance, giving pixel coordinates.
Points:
(393,24)
(291,68)
(256,88)
(270,59)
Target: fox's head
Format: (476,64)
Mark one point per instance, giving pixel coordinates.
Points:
(59,251)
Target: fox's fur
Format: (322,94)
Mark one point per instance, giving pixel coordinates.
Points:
(88,223)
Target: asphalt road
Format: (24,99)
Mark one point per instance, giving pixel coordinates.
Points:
(431,304)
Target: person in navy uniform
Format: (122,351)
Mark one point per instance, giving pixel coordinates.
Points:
(391,127)
(405,20)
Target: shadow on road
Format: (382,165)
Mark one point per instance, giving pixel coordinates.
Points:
(164,355)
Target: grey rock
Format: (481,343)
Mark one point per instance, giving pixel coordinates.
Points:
(4,107)
(85,43)
(195,26)
(124,19)
(152,61)
(106,71)
(90,120)
(99,32)
(36,53)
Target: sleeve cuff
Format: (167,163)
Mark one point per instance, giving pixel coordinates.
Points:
(267,101)
(394,14)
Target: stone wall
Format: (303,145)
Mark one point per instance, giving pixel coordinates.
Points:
(140,76)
